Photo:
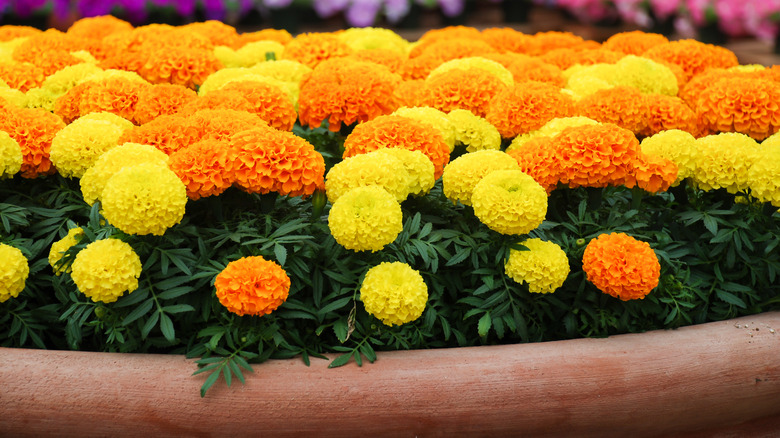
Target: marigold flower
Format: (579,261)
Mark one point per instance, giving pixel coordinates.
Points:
(621,266)
(388,58)
(463,173)
(268,102)
(675,145)
(281,36)
(744,105)
(394,293)
(692,56)
(526,107)
(694,88)
(410,93)
(509,202)
(507,39)
(16,97)
(60,247)
(312,48)
(538,158)
(668,112)
(109,163)
(222,124)
(634,42)
(10,32)
(623,106)
(652,173)
(448,33)
(10,156)
(365,219)
(282,70)
(166,133)
(544,42)
(34,129)
(645,75)
(114,95)
(248,55)
(475,62)
(544,267)
(216,100)
(346,92)
(433,117)
(550,129)
(439,52)
(398,132)
(471,90)
(184,66)
(723,161)
(98,27)
(762,175)
(419,167)
(204,168)
(77,146)
(582,83)
(22,75)
(161,99)
(147,198)
(14,270)
(368,169)
(473,131)
(566,57)
(106,269)
(217,32)
(267,160)
(374,38)
(252,286)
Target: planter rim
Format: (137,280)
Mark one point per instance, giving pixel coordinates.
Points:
(714,379)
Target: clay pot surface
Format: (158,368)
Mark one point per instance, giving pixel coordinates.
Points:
(718,379)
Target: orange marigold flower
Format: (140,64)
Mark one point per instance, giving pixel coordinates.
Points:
(98,27)
(596,155)
(471,90)
(526,68)
(527,106)
(21,75)
(623,106)
(399,132)
(10,32)
(538,158)
(221,124)
(161,99)
(115,95)
(448,33)
(184,66)
(668,112)
(652,173)
(745,105)
(692,56)
(281,36)
(344,91)
(621,266)
(543,42)
(252,286)
(389,58)
(410,93)
(694,88)
(217,99)
(507,39)
(268,160)
(156,36)
(219,33)
(204,168)
(439,52)
(53,61)
(566,57)
(269,102)
(635,42)
(167,133)
(34,129)
(312,48)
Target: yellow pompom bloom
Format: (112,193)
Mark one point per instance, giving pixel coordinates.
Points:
(112,118)
(106,269)
(14,97)
(220,78)
(509,202)
(417,164)
(544,267)
(365,219)
(248,55)
(763,176)
(371,38)
(772,141)
(433,117)
(646,75)
(76,147)
(41,98)
(14,270)
(368,169)
(674,145)
(283,70)
(747,68)
(723,161)
(475,62)
(147,198)
(60,247)
(551,129)
(85,56)
(476,133)
(129,154)
(583,86)
(394,293)
(10,156)
(463,173)
(60,82)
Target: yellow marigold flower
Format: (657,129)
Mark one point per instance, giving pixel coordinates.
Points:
(76,147)
(771,141)
(282,70)
(70,76)
(747,68)
(371,38)
(550,129)
(475,62)
(544,267)
(111,162)
(147,198)
(417,164)
(509,202)
(365,219)
(40,98)
(110,118)
(248,55)
(463,173)
(60,247)
(621,266)
(394,293)
(220,78)
(368,169)
(252,286)
(763,176)
(474,131)
(105,269)
(10,156)
(646,75)
(14,270)
(675,145)
(15,97)
(723,161)
(433,117)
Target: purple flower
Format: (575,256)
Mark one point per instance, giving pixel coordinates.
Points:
(185,8)
(362,13)
(94,8)
(329,8)
(395,10)
(214,9)
(452,8)
(25,8)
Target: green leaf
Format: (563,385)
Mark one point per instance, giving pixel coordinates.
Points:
(336,305)
(484,324)
(281,254)
(178,308)
(175,292)
(341,360)
(730,298)
(150,323)
(209,383)
(341,328)
(711,224)
(461,255)
(138,312)
(166,326)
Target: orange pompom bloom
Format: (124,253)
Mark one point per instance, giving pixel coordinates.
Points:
(183,66)
(252,286)
(527,106)
(267,160)
(596,155)
(311,49)
(463,89)
(21,76)
(389,58)
(216,100)
(567,57)
(439,52)
(34,129)
(344,91)
(652,173)
(98,27)
(621,266)
(538,158)
(693,89)
(10,32)
(217,32)
(281,36)
(55,60)
(449,33)
(161,99)
(166,133)
(635,42)
(221,124)
(748,106)
(526,68)
(668,112)
(544,42)
(410,93)
(623,106)
(507,39)
(399,132)
(114,95)
(692,56)
(267,101)
(204,168)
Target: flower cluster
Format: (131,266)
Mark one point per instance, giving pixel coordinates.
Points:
(463,173)
(621,266)
(394,293)
(252,286)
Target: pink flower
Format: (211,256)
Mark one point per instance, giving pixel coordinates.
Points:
(664,9)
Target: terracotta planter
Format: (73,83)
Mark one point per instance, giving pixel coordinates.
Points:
(716,379)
